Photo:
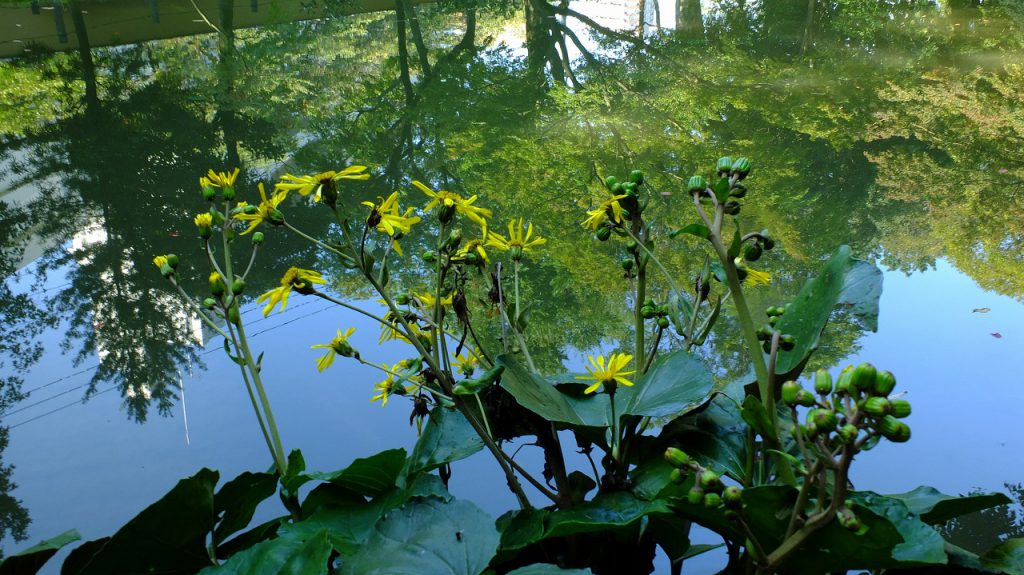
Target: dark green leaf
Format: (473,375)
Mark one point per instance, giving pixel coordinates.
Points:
(541,397)
(236,501)
(716,437)
(680,310)
(676,384)
(736,245)
(548,569)
(1007,557)
(921,545)
(285,555)
(247,539)
(168,537)
(521,528)
(447,437)
(721,189)
(615,509)
(32,559)
(428,536)
(756,416)
(936,508)
(81,555)
(672,534)
(699,230)
(370,476)
(700,548)
(348,526)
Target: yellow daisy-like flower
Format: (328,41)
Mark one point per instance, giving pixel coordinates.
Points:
(298,279)
(517,242)
(428,300)
(219,179)
(466,364)
(389,386)
(451,200)
(204,220)
(266,211)
(160,261)
(314,184)
(475,247)
(607,375)
(386,217)
(388,333)
(337,346)
(756,278)
(597,216)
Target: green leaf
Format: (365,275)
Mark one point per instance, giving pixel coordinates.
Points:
(676,383)
(616,509)
(447,437)
(370,476)
(672,534)
(736,245)
(921,545)
(699,230)
(289,555)
(247,539)
(810,310)
(521,528)
(168,537)
(428,536)
(347,526)
(680,310)
(32,559)
(541,397)
(721,189)
(237,500)
(1007,557)
(936,508)
(548,569)
(716,437)
(756,416)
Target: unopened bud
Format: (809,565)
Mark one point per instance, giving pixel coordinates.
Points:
(237,286)
(217,286)
(677,457)
(695,496)
(710,481)
(172,260)
(676,476)
(805,398)
(752,252)
(900,408)
(712,500)
(885,382)
(209,193)
(697,184)
(637,177)
(822,382)
(663,322)
(603,233)
(893,429)
(429,256)
(257,238)
(787,342)
(611,181)
(790,391)
(877,406)
(741,167)
(843,385)
(724,165)
(848,433)
(733,497)
(824,419)
(863,377)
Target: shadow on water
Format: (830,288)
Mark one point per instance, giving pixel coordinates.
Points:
(887,127)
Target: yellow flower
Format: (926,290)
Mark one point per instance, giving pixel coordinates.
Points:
(427,300)
(517,241)
(160,261)
(474,248)
(386,217)
(295,278)
(337,346)
(756,277)
(306,185)
(597,216)
(219,179)
(612,374)
(451,200)
(204,220)
(388,333)
(389,386)
(266,211)
(466,364)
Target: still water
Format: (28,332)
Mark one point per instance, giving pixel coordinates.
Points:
(894,127)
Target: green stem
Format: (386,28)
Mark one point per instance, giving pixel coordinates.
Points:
(315,241)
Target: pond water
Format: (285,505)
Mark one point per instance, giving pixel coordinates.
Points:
(894,127)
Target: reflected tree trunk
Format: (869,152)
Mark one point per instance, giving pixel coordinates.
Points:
(403,53)
(226,77)
(417,34)
(85,55)
(641,17)
(689,19)
(808,26)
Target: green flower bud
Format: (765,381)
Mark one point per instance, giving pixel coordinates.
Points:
(848,433)
(893,429)
(775,311)
(765,332)
(824,419)
(773,320)
(877,406)
(632,247)
(217,286)
(403,298)
(663,322)
(790,391)
(766,346)
(733,497)
(697,184)
(604,233)
(172,260)
(257,238)
(731,208)
(166,270)
(710,481)
(611,181)
(209,303)
(863,376)
(712,500)
(629,188)
(617,189)
(741,166)
(752,252)
(677,477)
(724,164)
(695,496)
(843,385)
(229,193)
(885,382)
(454,239)
(738,191)
(677,457)
(787,342)
(429,256)
(446,213)
(822,382)
(848,520)
(637,177)
(275,217)
(647,312)
(209,193)
(238,286)
(627,264)
(766,240)
(805,398)
(233,315)
(900,408)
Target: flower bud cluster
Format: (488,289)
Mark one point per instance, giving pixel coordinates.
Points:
(767,331)
(708,489)
(857,408)
(659,313)
(732,171)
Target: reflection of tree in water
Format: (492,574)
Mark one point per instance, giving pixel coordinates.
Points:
(979,532)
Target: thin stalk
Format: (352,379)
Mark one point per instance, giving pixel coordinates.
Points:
(313,240)
(252,259)
(656,261)
(198,310)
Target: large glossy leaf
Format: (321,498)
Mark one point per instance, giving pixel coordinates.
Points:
(428,536)
(168,537)
(716,437)
(1007,557)
(856,284)
(541,397)
(236,501)
(285,555)
(371,476)
(348,526)
(520,528)
(921,545)
(447,437)
(614,509)
(937,508)
(675,384)
(32,559)
(548,569)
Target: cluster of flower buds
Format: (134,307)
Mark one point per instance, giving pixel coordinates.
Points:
(708,489)
(168,264)
(768,331)
(853,411)
(628,187)
(659,313)
(731,172)
(625,195)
